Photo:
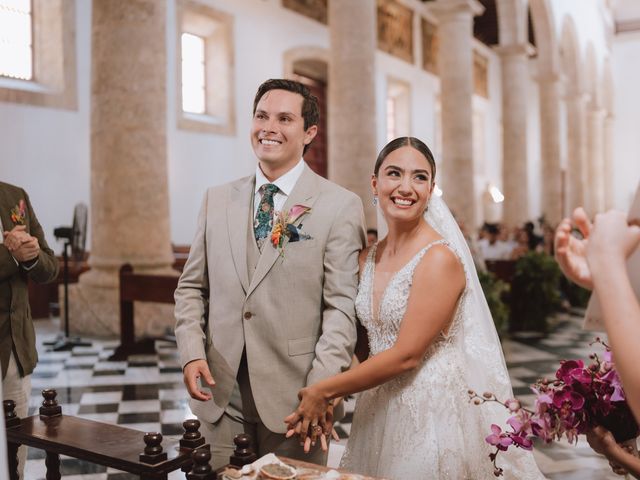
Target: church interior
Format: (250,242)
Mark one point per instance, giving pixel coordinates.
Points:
(117,115)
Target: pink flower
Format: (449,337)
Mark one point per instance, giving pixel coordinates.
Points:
(568,401)
(498,439)
(612,378)
(296,212)
(522,442)
(566,367)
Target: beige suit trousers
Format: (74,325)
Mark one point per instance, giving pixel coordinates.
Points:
(241,416)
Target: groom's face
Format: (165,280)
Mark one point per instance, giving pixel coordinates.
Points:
(278,136)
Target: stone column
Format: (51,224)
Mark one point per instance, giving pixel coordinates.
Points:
(576,150)
(515,75)
(595,127)
(608,163)
(551,176)
(352,99)
(129,213)
(455,29)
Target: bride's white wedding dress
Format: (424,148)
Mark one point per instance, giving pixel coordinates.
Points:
(421,425)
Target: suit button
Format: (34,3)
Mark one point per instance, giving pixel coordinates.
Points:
(247,315)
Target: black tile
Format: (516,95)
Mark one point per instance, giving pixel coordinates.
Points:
(51,361)
(86,354)
(140,392)
(143,417)
(99,408)
(174,404)
(78,367)
(170,370)
(143,364)
(102,373)
(38,374)
(73,466)
(171,429)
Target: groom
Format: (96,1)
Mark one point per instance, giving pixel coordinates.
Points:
(265,304)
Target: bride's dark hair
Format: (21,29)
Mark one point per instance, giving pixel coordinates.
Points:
(400,142)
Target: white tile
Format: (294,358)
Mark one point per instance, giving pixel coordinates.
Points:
(111,417)
(174,394)
(175,416)
(99,398)
(139,406)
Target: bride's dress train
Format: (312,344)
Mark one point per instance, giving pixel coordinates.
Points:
(421,425)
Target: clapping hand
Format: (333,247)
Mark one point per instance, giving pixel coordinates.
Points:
(20,244)
(312,420)
(571,252)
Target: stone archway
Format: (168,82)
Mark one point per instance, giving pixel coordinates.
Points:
(309,65)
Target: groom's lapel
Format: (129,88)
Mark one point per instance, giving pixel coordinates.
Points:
(237,222)
(305,192)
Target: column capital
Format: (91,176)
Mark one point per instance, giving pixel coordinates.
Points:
(446,9)
(524,49)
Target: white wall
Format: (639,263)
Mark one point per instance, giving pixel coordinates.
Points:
(46,150)
(626,77)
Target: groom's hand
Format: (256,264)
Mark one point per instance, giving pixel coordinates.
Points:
(194,370)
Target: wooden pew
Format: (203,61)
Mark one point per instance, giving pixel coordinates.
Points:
(44,299)
(141,288)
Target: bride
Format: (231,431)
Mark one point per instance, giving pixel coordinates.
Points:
(430,339)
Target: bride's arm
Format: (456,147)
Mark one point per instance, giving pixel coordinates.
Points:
(437,284)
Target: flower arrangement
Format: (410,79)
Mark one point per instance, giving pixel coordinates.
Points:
(284,227)
(18,213)
(577,400)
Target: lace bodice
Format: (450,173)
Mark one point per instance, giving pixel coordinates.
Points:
(383,327)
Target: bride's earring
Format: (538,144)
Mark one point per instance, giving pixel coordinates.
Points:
(375,201)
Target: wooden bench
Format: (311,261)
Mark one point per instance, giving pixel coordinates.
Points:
(141,288)
(44,299)
(104,444)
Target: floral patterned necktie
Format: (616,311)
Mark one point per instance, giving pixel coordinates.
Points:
(263,222)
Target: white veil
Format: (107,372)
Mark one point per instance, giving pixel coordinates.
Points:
(484,364)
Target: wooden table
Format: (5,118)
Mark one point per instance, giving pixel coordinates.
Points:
(105,444)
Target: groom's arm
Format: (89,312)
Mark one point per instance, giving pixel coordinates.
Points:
(192,296)
(347,237)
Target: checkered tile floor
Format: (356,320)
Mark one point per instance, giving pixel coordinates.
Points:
(146,393)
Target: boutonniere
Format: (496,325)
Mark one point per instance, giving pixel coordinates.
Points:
(284,227)
(18,213)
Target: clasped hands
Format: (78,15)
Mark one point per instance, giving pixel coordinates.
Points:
(312,420)
(22,246)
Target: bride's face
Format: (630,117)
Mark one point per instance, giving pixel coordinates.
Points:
(404,184)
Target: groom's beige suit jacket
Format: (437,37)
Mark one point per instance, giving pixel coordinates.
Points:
(293,313)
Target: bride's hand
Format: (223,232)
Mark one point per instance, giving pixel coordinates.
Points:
(310,414)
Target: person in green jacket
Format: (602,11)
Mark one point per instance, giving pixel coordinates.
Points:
(24,255)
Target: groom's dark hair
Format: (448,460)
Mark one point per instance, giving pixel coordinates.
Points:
(310,110)
(412,142)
